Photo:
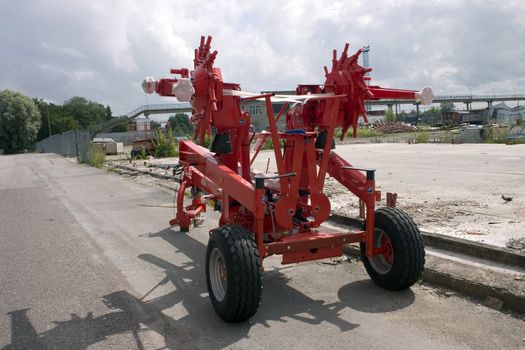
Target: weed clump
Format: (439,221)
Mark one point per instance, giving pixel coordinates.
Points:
(422,137)
(96,159)
(165,145)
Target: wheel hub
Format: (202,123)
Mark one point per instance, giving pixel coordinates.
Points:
(218,275)
(383,262)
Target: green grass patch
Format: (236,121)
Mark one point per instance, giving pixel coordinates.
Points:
(114,170)
(268,144)
(96,159)
(502,140)
(366,132)
(361,132)
(422,137)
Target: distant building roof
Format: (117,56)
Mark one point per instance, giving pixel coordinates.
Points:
(103,140)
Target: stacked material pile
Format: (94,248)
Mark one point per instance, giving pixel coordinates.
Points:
(393,127)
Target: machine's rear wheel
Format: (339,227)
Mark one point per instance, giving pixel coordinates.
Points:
(233,273)
(403,262)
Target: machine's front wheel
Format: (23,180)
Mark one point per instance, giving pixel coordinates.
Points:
(233,273)
(402,263)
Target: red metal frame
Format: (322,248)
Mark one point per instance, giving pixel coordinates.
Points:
(283,212)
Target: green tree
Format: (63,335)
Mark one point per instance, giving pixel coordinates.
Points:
(54,120)
(181,125)
(109,114)
(389,115)
(120,128)
(431,116)
(154,125)
(86,113)
(19,121)
(447,107)
(165,145)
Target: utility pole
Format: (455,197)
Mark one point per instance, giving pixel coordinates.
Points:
(48,122)
(366,64)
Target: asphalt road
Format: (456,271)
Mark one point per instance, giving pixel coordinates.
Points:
(87,259)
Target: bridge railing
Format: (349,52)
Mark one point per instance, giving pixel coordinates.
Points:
(171,107)
(157,107)
(481,97)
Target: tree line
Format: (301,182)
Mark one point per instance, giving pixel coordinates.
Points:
(25,120)
(75,114)
(428,116)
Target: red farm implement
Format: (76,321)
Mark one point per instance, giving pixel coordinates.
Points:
(282,213)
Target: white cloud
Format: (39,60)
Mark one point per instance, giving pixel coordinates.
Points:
(56,49)
(66,52)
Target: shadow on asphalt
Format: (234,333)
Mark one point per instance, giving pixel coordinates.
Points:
(365,296)
(134,315)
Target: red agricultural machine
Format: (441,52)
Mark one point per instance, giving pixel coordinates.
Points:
(281,213)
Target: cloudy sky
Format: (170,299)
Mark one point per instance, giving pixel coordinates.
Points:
(56,49)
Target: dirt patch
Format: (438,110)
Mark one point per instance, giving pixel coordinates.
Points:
(457,190)
(517,244)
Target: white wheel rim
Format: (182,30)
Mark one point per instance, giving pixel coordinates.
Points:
(218,276)
(379,262)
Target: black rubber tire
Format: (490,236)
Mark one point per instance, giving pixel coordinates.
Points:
(243,273)
(408,260)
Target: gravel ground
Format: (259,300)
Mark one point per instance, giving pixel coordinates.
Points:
(471,191)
